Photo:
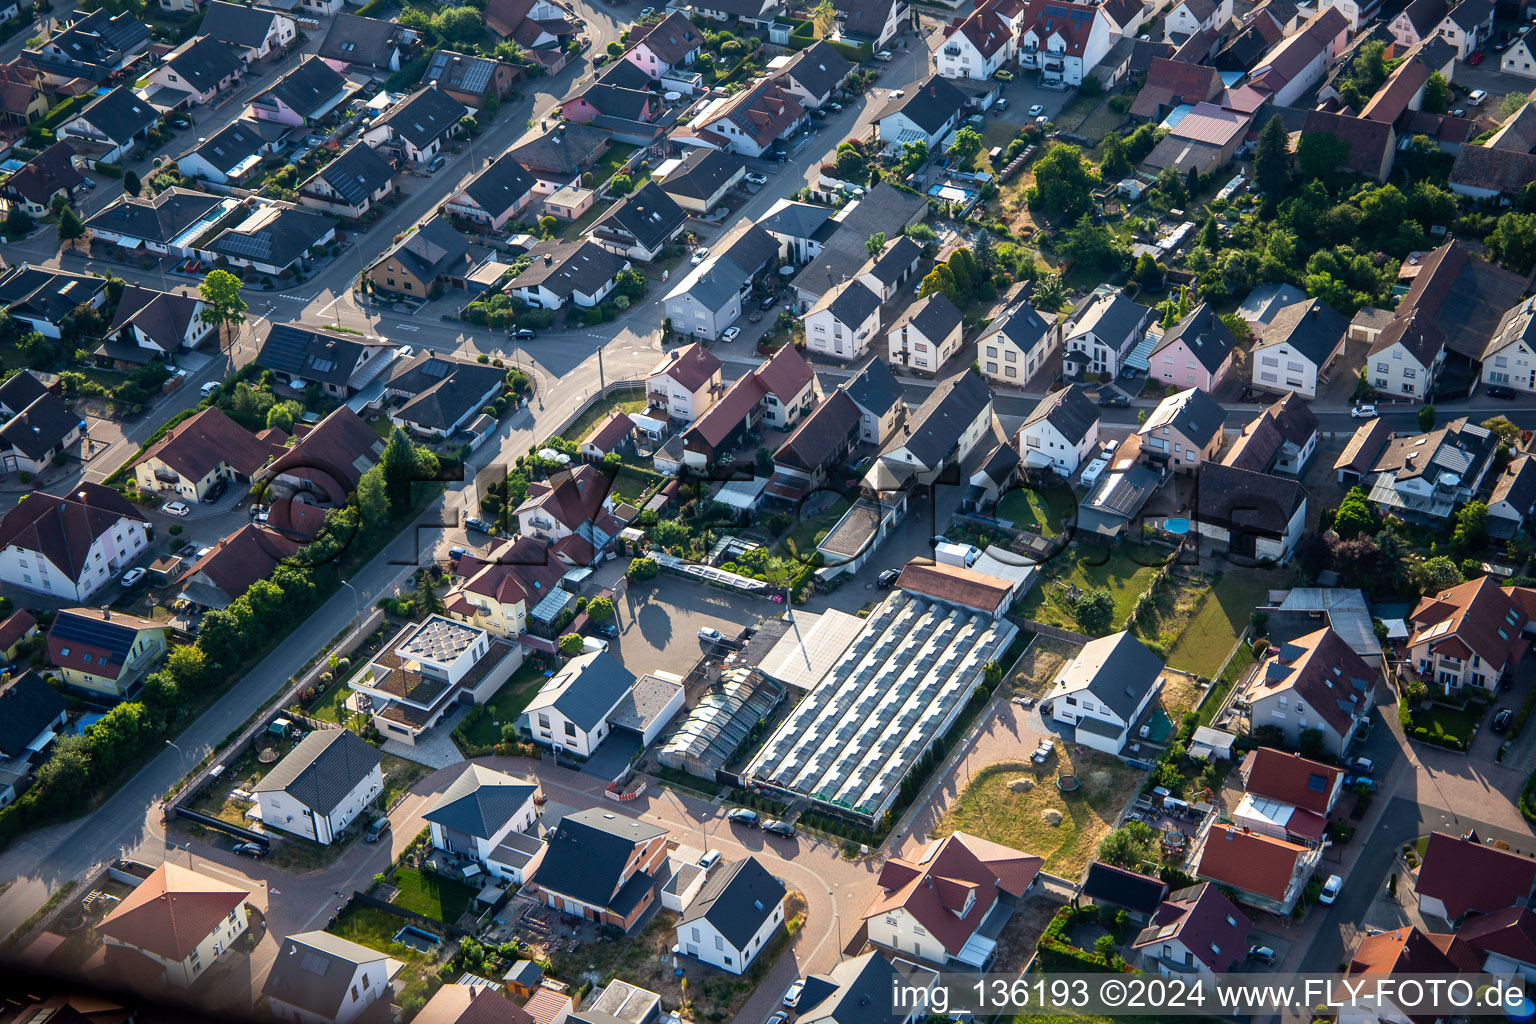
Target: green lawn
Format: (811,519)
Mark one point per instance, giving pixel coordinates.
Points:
(1445,720)
(439,898)
(1123,577)
(610,162)
(630,484)
(1225,612)
(1235,668)
(329,707)
(801,540)
(1036,510)
(600,411)
(376,930)
(506,705)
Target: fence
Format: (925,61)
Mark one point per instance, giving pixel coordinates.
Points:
(1056,887)
(1054,632)
(410,917)
(227,827)
(608,390)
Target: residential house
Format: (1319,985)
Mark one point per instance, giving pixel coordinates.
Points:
(320,786)
(1206,139)
(1016,344)
(1467,26)
(1140,896)
(875,22)
(1513,501)
(496,591)
(272,238)
(1298,62)
(19,627)
(1183,432)
(1491,172)
(175,925)
(671,44)
(1101,333)
(151,324)
(159,224)
(369,44)
(863,988)
(1417,22)
(469,1002)
(809,456)
(1196,352)
(435,396)
(1174,83)
(202,66)
(1059,432)
(1424,477)
(843,321)
(710,297)
(1063,41)
(70,545)
(1401,953)
(1510,356)
(926,113)
(1505,940)
(301,97)
(227,570)
(559,155)
(327,462)
(92,47)
(602,866)
(1372,144)
(22,98)
(802,231)
(1469,635)
(1190,17)
(957,586)
(609,436)
(200,452)
(419,127)
(494,197)
(1103,691)
(640,225)
(1253,513)
(734,916)
(110,126)
(926,335)
(320,978)
(231,156)
(570,203)
(1195,931)
(991,480)
(34,713)
(530,23)
(1280,439)
(947,904)
(51,173)
(104,653)
(886,271)
(1460,876)
(942,432)
(576,271)
(352,184)
(835,253)
(1297,346)
(877,393)
(39,425)
(1264,873)
(44,299)
(342,364)
(576,709)
(701,178)
(777,393)
(621,92)
(748,123)
(255,33)
(1314,682)
(1287,796)
(470,79)
(477,813)
(421,263)
(814,74)
(1126,17)
(685,382)
(1520,57)
(571,511)
(977,46)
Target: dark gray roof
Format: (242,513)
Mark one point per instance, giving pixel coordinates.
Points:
(1108,884)
(1000,462)
(38,425)
(308,89)
(860,990)
(364,41)
(851,303)
(480,801)
(1114,319)
(431,250)
(120,115)
(465,72)
(204,62)
(1517,485)
(929,105)
(154,220)
(312,355)
(798,220)
(46,293)
(1311,328)
(500,186)
(1240,499)
(320,772)
(96,43)
(895,259)
(575,265)
(1120,670)
(586,689)
(565,148)
(314,971)
(737,900)
(649,216)
(703,172)
(1192,413)
(27,707)
(875,389)
(1468,14)
(934,317)
(1023,326)
(587,854)
(236,142)
(356,174)
(443,391)
(1203,334)
(237,23)
(753,250)
(818,69)
(425,116)
(885,210)
(1069,410)
(721,278)
(949,408)
(276,242)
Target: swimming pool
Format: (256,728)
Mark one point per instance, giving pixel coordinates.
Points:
(414,937)
(1178,526)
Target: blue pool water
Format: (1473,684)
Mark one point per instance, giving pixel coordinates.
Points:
(414,937)
(1177,526)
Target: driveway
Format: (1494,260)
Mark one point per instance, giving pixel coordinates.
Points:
(659,622)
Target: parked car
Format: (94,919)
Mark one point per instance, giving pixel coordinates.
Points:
(216,492)
(888,579)
(525,333)
(1503,720)
(792,994)
(884,55)
(711,634)
(608,629)
(710,859)
(742,816)
(1042,121)
(1476,97)
(699,255)
(1114,398)
(646,12)
(779,828)
(1360,765)
(757,179)
(835,107)
(779,1017)
(1477,58)
(1036,110)
(1263,954)
(209,388)
(131,577)
(376,828)
(768,302)
(1365,411)
(1024,702)
(176,508)
(476,523)
(730,334)
(437,164)
(1499,391)
(454,554)
(1351,781)
(255,850)
(1331,889)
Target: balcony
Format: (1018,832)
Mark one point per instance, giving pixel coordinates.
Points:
(951,51)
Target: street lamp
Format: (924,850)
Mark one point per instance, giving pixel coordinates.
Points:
(357,604)
(179,752)
(837,921)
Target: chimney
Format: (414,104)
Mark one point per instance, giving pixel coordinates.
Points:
(549,258)
(1313,311)
(106,613)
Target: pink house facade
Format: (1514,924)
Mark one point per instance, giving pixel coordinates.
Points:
(1195,353)
(580,111)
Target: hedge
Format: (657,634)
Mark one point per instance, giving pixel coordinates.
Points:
(858,54)
(1528,799)
(61,113)
(1056,954)
(110,170)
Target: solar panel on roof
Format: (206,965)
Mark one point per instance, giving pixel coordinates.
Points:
(113,637)
(314,963)
(255,246)
(434,368)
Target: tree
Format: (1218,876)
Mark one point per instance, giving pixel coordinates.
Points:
(621,185)
(282,415)
(631,284)
(1064,183)
(1436,574)
(373,497)
(459,24)
(1094,611)
(963,269)
(1113,162)
(1471,526)
(1355,515)
(71,227)
(1050,292)
(967,144)
(570,643)
(940,280)
(17,221)
(1514,240)
(1320,155)
(1272,158)
(399,467)
(1172,186)
(1093,246)
(600,609)
(1210,235)
(58,203)
(1239,271)
(1310,743)
(1427,418)
(1437,94)
(875,242)
(824,18)
(763,462)
(1148,272)
(131,183)
(1129,846)
(642,569)
(1508,434)
(223,305)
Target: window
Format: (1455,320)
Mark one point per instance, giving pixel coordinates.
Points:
(1011,356)
(991,352)
(1382,367)
(354,993)
(570,730)
(719,942)
(991,367)
(1010,371)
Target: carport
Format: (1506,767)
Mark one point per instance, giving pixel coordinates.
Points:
(614,754)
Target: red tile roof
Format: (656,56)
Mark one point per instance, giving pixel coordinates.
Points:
(62,529)
(472,1004)
(1509,932)
(1047,18)
(572,498)
(195,447)
(692,366)
(171,912)
(1208,924)
(607,436)
(1291,779)
(1322,670)
(299,518)
(955,585)
(1477,617)
(1249,862)
(518,569)
(245,556)
(1465,875)
(1404,951)
(15,627)
(786,374)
